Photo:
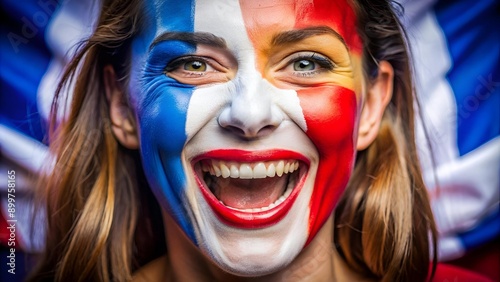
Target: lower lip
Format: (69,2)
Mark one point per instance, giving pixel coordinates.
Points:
(251,220)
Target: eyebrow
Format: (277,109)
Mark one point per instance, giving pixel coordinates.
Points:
(293,36)
(194,38)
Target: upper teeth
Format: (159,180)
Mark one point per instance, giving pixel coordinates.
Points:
(249,170)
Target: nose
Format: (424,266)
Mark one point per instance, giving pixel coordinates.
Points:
(251,113)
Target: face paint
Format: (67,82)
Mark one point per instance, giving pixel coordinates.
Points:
(247,126)
(161,104)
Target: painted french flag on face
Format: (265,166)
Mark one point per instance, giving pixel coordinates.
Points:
(326,113)
(473,145)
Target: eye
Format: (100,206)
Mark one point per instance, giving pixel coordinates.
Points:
(304,65)
(191,65)
(196,66)
(196,70)
(305,68)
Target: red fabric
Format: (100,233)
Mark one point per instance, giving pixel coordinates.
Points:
(484,260)
(4,232)
(449,273)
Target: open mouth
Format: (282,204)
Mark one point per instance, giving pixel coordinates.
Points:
(250,189)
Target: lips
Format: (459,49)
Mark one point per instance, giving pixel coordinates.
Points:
(250,189)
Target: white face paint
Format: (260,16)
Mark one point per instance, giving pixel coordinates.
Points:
(221,116)
(240,178)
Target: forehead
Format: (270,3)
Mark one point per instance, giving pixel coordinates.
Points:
(255,20)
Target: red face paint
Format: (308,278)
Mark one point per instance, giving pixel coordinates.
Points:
(264,19)
(331,115)
(337,15)
(330,111)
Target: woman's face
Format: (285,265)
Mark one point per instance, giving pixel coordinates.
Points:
(247,117)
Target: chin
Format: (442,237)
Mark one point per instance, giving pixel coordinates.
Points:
(250,210)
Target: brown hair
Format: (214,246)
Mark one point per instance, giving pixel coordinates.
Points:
(384,219)
(92,194)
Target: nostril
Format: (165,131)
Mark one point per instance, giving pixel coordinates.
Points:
(266,129)
(235,130)
(249,121)
(248,132)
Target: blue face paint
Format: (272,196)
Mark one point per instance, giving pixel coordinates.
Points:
(215,155)
(162,105)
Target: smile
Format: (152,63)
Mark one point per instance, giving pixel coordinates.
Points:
(250,189)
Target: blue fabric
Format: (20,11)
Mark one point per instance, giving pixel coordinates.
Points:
(472,30)
(25,58)
(486,231)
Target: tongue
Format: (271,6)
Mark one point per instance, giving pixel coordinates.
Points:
(248,193)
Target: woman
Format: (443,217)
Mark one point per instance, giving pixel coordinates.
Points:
(264,129)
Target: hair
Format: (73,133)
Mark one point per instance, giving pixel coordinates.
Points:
(92,196)
(384,218)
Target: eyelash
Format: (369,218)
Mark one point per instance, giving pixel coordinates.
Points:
(177,63)
(323,62)
(321,65)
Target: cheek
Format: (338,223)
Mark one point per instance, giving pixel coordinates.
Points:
(330,113)
(331,116)
(162,101)
(162,120)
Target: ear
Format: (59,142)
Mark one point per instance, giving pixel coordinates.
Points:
(122,123)
(378,96)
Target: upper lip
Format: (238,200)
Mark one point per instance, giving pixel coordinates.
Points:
(251,156)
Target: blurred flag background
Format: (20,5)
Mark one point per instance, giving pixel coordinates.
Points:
(456,50)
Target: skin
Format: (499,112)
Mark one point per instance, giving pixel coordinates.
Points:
(318,262)
(251,89)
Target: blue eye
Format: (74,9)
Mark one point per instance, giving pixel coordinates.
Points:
(304,65)
(305,68)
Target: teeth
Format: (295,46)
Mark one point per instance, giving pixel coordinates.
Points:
(235,172)
(249,170)
(253,170)
(259,171)
(217,171)
(225,171)
(245,171)
(271,170)
(279,168)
